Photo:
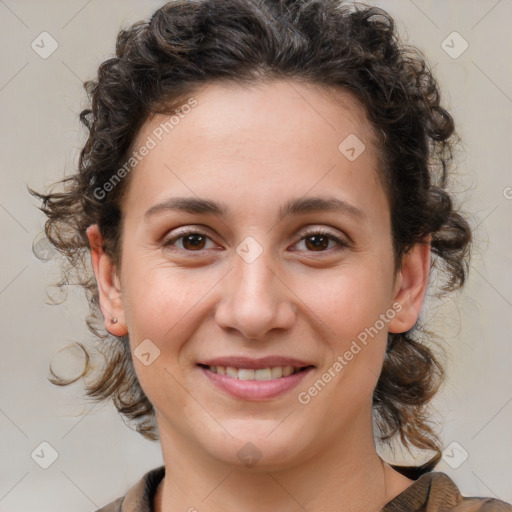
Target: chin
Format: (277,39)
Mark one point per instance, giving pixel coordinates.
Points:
(253,451)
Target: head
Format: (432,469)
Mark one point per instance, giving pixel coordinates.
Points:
(244,117)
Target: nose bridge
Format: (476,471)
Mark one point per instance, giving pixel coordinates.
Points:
(254,269)
(255,278)
(255,300)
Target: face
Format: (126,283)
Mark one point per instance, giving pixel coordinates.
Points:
(263,313)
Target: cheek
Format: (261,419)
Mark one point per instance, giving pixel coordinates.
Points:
(348,300)
(160,305)
(350,304)
(158,297)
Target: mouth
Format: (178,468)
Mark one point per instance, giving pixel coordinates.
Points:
(255,379)
(260,374)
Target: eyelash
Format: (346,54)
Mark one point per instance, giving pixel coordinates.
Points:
(306,234)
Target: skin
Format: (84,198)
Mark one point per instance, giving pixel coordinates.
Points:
(254,149)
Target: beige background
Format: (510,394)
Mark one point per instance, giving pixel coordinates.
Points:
(98,456)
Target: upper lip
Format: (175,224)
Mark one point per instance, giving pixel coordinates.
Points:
(255,364)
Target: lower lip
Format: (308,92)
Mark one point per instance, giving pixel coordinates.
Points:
(255,389)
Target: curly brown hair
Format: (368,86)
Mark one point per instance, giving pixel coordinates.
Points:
(187,44)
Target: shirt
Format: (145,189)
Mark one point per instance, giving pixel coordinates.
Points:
(430,492)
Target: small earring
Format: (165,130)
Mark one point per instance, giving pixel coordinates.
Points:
(114,320)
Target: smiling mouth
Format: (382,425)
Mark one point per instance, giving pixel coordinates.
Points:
(260,374)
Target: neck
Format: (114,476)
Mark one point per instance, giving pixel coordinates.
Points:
(348,475)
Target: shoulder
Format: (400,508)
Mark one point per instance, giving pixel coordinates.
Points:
(139,498)
(436,492)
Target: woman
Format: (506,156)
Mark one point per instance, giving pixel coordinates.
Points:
(263,197)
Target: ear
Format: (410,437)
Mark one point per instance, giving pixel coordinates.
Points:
(109,286)
(411,286)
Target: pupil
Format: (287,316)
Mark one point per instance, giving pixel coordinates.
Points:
(319,241)
(194,240)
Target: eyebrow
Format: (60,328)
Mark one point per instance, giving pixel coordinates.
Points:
(297,206)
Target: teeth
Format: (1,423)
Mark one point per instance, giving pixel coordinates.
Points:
(263,374)
(245,374)
(275,372)
(287,370)
(232,372)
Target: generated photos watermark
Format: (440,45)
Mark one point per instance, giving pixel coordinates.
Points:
(151,142)
(304,397)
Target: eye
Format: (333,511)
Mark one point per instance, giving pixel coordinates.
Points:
(190,240)
(318,240)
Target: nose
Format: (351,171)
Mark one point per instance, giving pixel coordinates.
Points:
(255,300)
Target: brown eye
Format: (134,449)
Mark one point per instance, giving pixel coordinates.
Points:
(191,241)
(318,241)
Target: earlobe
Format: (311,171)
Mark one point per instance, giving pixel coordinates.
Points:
(109,288)
(411,287)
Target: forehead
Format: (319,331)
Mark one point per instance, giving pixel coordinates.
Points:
(224,108)
(285,133)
